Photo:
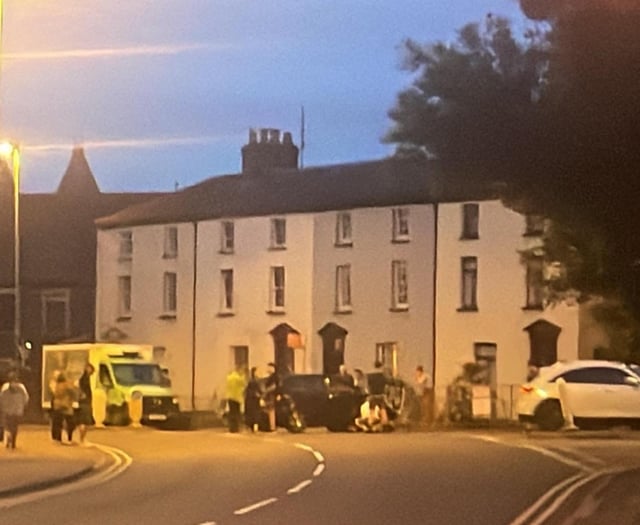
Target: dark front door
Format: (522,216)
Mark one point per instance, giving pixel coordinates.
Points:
(333,342)
(543,343)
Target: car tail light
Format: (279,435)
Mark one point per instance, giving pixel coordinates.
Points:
(526,389)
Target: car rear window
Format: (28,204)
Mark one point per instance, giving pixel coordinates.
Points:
(304,383)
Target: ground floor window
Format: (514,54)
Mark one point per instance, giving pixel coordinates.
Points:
(387,354)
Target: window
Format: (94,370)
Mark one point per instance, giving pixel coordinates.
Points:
(535,283)
(387,354)
(226,277)
(595,375)
(278,233)
(343,229)
(534,225)
(399,286)
(343,288)
(240,356)
(470,220)
(400,225)
(469,283)
(170,301)
(227,244)
(124,296)
(126,245)
(276,291)
(170,242)
(56,313)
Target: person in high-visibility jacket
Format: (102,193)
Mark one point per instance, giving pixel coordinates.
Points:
(236,384)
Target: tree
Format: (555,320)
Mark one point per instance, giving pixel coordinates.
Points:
(554,117)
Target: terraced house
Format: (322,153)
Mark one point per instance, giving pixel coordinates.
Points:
(314,267)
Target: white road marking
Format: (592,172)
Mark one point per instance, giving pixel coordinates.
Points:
(303,447)
(255,506)
(318,470)
(299,486)
(319,457)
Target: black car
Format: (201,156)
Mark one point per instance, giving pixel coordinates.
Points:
(321,402)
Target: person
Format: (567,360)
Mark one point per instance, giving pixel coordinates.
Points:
(84,413)
(236,383)
(377,383)
(343,378)
(360,381)
(13,400)
(64,396)
(270,394)
(252,398)
(424,392)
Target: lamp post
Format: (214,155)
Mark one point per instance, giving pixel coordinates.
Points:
(11,151)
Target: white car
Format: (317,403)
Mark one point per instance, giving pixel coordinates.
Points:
(602,392)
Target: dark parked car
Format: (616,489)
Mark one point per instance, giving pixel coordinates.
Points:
(322,403)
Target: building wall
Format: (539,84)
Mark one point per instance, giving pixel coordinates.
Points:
(501,296)
(371,320)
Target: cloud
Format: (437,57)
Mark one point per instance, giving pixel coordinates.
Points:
(113,52)
(128,143)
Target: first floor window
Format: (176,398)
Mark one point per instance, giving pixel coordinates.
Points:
(469,283)
(170,300)
(227,289)
(124,295)
(535,283)
(343,288)
(56,312)
(399,285)
(277,285)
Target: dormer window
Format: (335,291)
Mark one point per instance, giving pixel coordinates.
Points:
(400,217)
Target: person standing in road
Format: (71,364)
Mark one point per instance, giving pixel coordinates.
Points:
(252,398)
(422,386)
(13,400)
(271,391)
(84,413)
(64,396)
(236,384)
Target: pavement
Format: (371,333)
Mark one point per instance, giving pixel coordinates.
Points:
(38,462)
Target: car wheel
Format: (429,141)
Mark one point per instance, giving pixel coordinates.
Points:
(549,415)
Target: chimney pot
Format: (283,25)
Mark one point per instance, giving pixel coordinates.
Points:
(253,136)
(274,136)
(264,135)
(286,138)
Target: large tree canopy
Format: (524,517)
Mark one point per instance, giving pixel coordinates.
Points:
(553,115)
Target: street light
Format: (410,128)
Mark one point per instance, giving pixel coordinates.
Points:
(11,151)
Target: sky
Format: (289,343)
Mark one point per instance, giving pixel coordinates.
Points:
(162,93)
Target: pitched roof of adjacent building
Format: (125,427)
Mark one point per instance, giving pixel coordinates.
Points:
(386,182)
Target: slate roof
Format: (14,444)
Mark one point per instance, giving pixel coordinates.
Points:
(378,183)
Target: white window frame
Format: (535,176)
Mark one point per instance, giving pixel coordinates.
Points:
(227,236)
(125,251)
(277,288)
(469,283)
(170,293)
(227,298)
(344,229)
(170,242)
(278,233)
(387,354)
(400,219)
(56,295)
(343,288)
(399,285)
(124,296)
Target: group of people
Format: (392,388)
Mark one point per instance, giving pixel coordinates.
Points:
(259,397)
(72,406)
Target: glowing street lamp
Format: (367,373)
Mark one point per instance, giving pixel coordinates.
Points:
(11,151)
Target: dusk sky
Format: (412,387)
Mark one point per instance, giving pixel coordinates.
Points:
(161,92)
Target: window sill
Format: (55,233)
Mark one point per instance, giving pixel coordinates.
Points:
(276,312)
(469,237)
(226,252)
(343,311)
(169,255)
(400,240)
(123,319)
(399,309)
(533,307)
(167,317)
(277,248)
(467,309)
(225,314)
(343,244)
(124,258)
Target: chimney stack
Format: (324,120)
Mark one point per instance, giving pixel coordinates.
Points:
(265,152)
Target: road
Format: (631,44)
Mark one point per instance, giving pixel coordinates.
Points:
(208,476)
